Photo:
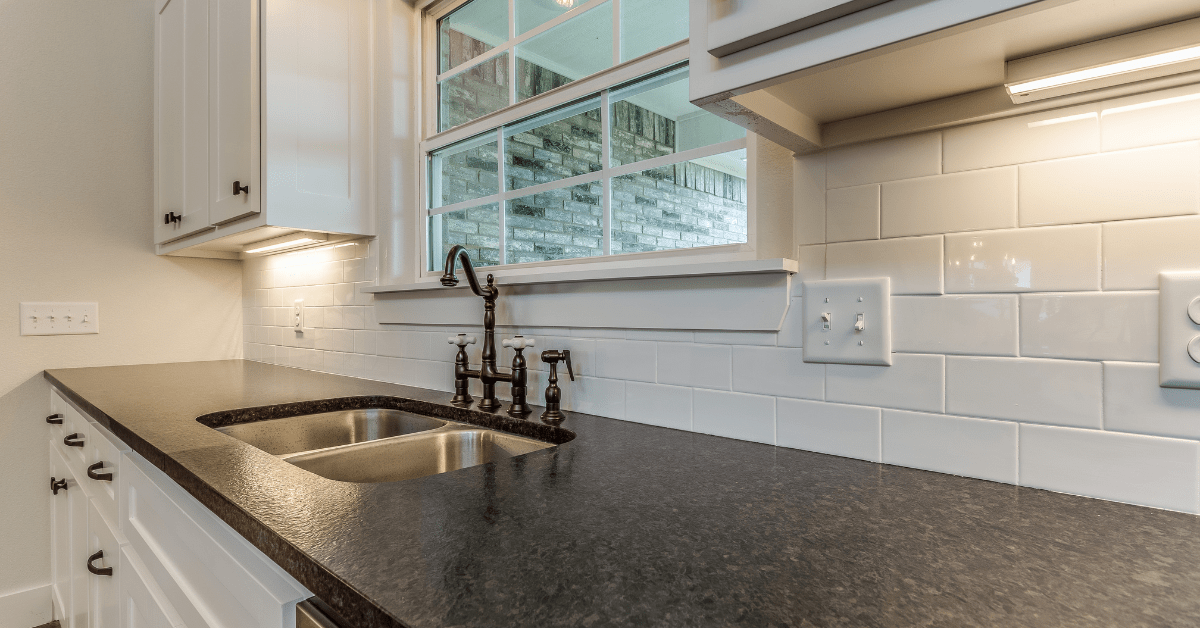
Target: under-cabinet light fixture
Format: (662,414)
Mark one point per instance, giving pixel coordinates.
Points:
(290,241)
(1147,54)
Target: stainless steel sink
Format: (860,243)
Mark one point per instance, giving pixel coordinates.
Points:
(446,449)
(330,429)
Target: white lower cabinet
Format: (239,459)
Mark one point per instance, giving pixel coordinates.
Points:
(130,548)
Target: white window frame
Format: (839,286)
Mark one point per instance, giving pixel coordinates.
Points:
(579,90)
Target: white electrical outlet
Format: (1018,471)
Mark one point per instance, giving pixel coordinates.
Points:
(1179,330)
(298,316)
(58,319)
(848,321)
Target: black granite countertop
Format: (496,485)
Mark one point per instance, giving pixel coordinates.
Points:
(632,525)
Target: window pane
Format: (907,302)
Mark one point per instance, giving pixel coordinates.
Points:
(572,50)
(559,224)
(654,118)
(471,30)
(647,25)
(564,144)
(697,203)
(477,228)
(473,93)
(464,172)
(533,13)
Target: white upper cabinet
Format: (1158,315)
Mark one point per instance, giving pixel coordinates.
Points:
(735,25)
(263,122)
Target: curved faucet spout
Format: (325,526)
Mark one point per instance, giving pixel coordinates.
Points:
(456,253)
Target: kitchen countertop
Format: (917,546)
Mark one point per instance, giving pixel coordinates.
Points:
(633,525)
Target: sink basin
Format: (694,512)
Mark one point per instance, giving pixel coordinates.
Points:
(330,429)
(447,449)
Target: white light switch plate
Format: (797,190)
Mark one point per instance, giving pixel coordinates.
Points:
(843,302)
(1176,330)
(57,319)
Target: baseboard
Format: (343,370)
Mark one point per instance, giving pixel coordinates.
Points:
(25,609)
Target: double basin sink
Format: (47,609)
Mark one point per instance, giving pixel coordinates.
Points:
(379,445)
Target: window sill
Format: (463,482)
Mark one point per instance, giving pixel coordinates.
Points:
(604,272)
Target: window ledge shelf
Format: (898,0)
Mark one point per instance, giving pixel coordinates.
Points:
(661,271)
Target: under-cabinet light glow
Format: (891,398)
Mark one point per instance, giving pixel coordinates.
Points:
(1111,69)
(281,245)
(299,239)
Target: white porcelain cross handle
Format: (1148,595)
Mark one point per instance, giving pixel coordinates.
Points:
(461,340)
(518,342)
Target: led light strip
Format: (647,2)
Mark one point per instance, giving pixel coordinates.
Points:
(1121,67)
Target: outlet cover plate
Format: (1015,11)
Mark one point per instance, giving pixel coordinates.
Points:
(836,341)
(1176,330)
(59,319)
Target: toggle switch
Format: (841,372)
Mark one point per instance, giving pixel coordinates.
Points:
(826,321)
(860,324)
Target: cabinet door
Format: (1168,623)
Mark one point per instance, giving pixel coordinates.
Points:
(60,537)
(141,602)
(180,118)
(233,108)
(103,590)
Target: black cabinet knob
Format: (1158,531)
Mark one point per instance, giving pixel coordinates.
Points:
(55,419)
(103,477)
(57,485)
(238,188)
(171,217)
(99,571)
(73,440)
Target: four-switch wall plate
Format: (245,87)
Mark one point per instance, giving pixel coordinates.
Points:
(58,319)
(1179,330)
(848,321)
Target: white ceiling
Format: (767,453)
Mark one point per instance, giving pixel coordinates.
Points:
(968,61)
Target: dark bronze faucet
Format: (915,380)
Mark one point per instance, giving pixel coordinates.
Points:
(487,373)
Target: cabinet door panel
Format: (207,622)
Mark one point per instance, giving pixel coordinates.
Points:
(60,537)
(317,74)
(181,119)
(233,108)
(103,591)
(142,604)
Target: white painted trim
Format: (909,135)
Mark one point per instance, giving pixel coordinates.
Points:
(24,609)
(609,272)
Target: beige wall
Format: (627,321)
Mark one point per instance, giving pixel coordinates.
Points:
(75,211)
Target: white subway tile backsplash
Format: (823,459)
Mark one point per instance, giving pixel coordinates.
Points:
(1023,139)
(811,260)
(967,201)
(343,294)
(656,404)
(590,395)
(1146,470)
(695,365)
(1136,251)
(405,344)
(364,342)
(1060,392)
(888,160)
(734,415)
(976,448)
(1024,260)
(913,264)
(808,203)
(776,371)
(829,428)
(791,331)
(1151,119)
(912,382)
(963,325)
(627,359)
(1091,326)
(660,335)
(1134,402)
(1139,183)
(852,213)
(354,317)
(736,338)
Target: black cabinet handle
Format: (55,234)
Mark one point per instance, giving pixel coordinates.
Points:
(57,485)
(99,571)
(171,217)
(73,440)
(55,419)
(104,477)
(238,188)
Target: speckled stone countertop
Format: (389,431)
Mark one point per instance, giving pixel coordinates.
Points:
(631,525)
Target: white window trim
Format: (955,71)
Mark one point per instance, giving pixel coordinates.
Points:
(581,89)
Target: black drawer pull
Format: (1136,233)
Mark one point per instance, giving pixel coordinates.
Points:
(55,419)
(73,440)
(104,477)
(57,485)
(99,571)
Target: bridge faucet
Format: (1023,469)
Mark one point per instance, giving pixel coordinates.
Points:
(487,373)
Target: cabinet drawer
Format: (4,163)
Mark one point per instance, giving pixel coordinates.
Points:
(211,575)
(105,450)
(74,428)
(142,603)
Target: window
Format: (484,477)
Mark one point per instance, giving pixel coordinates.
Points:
(564,131)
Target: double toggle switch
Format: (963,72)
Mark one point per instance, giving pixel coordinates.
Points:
(836,314)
